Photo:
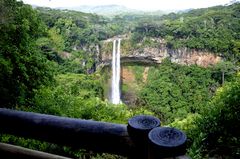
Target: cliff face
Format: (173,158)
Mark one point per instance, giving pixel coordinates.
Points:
(151,54)
(190,57)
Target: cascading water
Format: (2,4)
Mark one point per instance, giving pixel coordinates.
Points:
(116,68)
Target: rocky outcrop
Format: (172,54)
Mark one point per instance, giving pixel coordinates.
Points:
(145,74)
(65,55)
(155,55)
(127,75)
(191,57)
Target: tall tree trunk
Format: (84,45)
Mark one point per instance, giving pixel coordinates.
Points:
(223,77)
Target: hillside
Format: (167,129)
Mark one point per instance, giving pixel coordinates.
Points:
(213,29)
(49,62)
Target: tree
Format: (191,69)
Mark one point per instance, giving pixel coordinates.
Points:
(223,71)
(23,67)
(217,130)
(173,91)
(236,50)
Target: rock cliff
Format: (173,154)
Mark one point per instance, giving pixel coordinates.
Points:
(151,55)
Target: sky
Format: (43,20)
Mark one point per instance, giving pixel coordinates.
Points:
(133,4)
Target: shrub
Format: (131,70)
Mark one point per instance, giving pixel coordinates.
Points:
(218,130)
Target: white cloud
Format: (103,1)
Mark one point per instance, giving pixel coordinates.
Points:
(136,4)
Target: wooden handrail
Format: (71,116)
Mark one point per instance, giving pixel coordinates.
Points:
(77,133)
(17,152)
(141,138)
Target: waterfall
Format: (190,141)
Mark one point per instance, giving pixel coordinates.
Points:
(116,70)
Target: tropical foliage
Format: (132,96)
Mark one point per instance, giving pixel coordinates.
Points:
(23,67)
(48,61)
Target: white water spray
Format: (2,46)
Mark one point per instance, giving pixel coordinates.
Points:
(116,70)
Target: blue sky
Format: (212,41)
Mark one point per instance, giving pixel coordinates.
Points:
(134,4)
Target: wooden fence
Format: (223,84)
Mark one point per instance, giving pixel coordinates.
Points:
(142,138)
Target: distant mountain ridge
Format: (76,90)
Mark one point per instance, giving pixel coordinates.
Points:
(109,10)
(102,9)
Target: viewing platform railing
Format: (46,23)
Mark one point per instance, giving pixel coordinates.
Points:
(142,138)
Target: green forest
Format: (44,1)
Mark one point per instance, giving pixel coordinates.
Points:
(49,59)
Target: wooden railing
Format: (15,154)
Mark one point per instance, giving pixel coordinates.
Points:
(142,138)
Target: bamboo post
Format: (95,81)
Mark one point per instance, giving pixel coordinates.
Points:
(166,142)
(138,129)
